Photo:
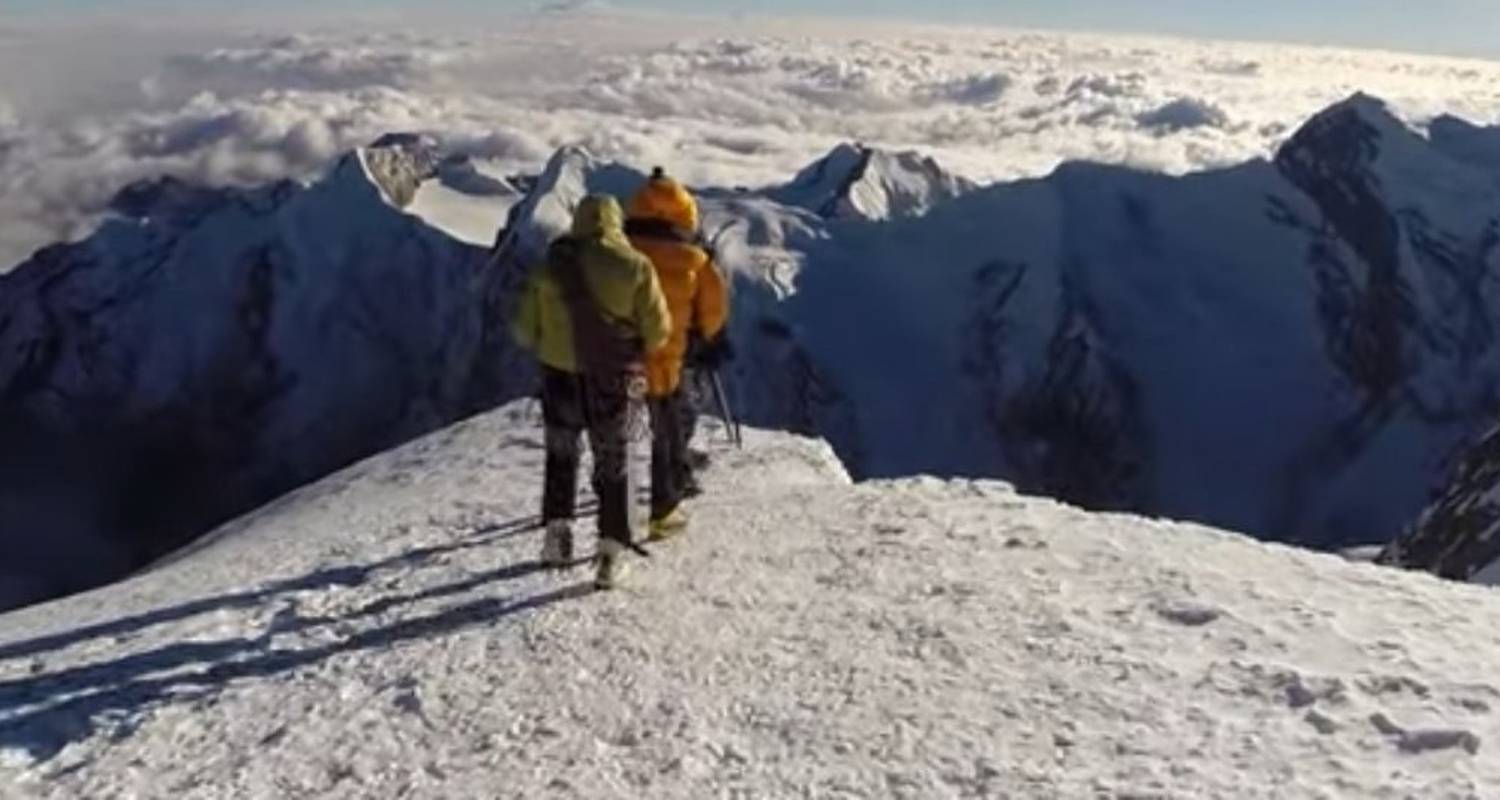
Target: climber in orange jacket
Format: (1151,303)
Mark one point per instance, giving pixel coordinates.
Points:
(662,222)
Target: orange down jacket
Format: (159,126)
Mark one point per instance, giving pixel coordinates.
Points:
(663,224)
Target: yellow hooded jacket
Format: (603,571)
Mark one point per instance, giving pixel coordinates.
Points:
(622,280)
(663,223)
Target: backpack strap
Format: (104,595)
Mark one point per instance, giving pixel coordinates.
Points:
(602,345)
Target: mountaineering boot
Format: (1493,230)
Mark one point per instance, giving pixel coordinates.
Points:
(667,525)
(557,545)
(610,566)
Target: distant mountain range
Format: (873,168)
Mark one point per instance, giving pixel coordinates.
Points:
(1301,349)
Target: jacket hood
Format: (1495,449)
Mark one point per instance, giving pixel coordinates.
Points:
(667,200)
(598,216)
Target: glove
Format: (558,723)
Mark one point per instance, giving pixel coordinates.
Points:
(715,352)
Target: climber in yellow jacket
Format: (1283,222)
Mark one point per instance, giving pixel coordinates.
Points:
(592,314)
(663,224)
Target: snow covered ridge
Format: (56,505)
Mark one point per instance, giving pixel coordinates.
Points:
(387,632)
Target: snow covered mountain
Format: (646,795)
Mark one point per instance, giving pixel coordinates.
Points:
(1294,349)
(387,633)
(858,182)
(208,350)
(1290,348)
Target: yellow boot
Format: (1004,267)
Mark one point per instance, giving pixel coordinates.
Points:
(667,525)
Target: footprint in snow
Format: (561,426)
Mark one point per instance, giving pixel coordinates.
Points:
(1382,685)
(1303,692)
(1426,740)
(1322,723)
(1188,613)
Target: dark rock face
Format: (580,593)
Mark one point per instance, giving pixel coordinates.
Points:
(1071,430)
(1367,322)
(1459,536)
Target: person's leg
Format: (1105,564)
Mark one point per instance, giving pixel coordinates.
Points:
(608,404)
(562,412)
(609,414)
(667,518)
(688,408)
(666,473)
(692,401)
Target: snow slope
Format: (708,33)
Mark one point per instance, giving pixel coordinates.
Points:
(386,633)
(465,200)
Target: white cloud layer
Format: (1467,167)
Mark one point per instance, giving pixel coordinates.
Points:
(724,103)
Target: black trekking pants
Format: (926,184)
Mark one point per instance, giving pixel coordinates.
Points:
(668,453)
(571,405)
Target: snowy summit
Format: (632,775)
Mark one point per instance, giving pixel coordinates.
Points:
(387,633)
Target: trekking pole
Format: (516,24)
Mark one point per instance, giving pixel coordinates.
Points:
(711,243)
(722,399)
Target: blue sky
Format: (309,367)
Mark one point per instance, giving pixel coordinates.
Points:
(1443,26)
(1469,26)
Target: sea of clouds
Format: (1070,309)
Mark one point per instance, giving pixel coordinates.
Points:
(91,108)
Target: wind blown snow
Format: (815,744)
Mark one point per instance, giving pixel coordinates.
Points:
(722,102)
(387,633)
